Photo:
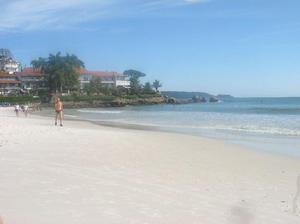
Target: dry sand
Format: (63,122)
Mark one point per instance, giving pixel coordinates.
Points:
(88,174)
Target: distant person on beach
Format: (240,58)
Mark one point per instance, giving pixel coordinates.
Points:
(59,111)
(17,109)
(25,110)
(38,107)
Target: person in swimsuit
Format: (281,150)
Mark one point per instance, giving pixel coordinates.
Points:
(58,106)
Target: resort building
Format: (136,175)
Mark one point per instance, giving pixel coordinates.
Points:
(27,80)
(111,79)
(9,83)
(31,79)
(15,80)
(8,63)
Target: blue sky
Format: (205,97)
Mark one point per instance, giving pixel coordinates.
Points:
(239,47)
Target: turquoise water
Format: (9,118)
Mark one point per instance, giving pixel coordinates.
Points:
(271,124)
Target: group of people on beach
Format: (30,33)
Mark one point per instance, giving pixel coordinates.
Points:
(26,108)
(23,108)
(58,107)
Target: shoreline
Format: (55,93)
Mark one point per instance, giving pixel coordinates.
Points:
(260,143)
(84,172)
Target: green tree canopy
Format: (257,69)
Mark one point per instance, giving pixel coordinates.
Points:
(95,86)
(148,88)
(134,77)
(156,84)
(61,71)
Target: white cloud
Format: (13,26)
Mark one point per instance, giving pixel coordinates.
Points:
(23,15)
(34,14)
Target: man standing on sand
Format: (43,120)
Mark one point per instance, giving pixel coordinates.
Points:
(59,111)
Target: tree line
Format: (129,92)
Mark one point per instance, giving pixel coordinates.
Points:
(62,75)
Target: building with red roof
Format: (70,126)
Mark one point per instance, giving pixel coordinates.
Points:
(32,79)
(29,79)
(9,83)
(111,79)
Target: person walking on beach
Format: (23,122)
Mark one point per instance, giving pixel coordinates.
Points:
(25,110)
(59,111)
(17,109)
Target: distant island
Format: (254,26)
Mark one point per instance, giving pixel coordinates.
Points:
(225,97)
(194,97)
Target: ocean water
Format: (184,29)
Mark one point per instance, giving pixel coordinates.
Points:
(271,124)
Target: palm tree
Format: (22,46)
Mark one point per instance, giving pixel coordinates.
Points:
(156,84)
(39,64)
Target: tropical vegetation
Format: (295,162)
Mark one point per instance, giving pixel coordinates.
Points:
(62,76)
(61,71)
(18,99)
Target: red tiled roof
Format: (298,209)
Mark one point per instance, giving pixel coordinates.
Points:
(36,72)
(9,82)
(30,72)
(98,73)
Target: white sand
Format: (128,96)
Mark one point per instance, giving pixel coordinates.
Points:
(87,174)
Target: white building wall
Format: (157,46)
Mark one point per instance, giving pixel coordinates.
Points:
(12,67)
(123,83)
(110,81)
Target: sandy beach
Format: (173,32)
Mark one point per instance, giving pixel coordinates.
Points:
(90,174)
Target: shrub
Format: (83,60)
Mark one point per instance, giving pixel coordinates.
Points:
(87,98)
(19,99)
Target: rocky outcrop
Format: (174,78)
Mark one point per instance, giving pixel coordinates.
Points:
(199,99)
(143,101)
(119,102)
(213,99)
(195,99)
(171,100)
